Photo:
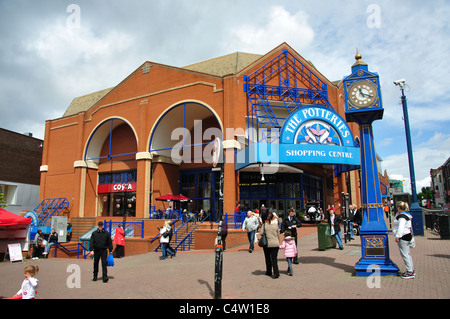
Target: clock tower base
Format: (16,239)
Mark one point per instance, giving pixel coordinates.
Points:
(375,256)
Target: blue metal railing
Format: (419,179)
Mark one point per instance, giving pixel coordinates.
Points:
(132,229)
(234,221)
(188,220)
(164,214)
(80,248)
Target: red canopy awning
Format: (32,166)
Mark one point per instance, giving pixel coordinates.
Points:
(172,198)
(182,198)
(11,219)
(168,197)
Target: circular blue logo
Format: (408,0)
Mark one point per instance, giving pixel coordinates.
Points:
(33,216)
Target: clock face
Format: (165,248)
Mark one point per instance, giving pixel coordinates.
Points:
(363,94)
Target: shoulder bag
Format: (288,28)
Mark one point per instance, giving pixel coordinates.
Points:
(263,240)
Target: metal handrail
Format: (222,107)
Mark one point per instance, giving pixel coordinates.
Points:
(175,233)
(79,246)
(109,227)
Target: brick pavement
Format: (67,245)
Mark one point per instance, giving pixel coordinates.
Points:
(320,275)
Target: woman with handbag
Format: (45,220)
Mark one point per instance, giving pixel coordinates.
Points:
(165,239)
(271,232)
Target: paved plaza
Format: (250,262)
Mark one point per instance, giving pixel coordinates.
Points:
(325,274)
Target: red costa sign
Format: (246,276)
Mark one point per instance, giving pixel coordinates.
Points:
(117,188)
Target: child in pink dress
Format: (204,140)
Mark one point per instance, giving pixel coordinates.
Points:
(290,249)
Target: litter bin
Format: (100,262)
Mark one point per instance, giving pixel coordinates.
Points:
(323,236)
(444,226)
(428,221)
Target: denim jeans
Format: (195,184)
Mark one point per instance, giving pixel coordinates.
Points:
(48,246)
(251,239)
(289,261)
(165,250)
(338,237)
(349,225)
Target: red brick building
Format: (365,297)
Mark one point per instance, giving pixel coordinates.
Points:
(114,151)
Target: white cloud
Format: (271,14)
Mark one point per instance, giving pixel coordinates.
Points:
(78,61)
(387,141)
(62,46)
(281,26)
(431,154)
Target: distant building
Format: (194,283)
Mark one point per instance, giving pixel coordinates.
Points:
(384,179)
(20,158)
(437,186)
(440,183)
(154,134)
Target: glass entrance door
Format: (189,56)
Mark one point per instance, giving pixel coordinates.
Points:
(118,204)
(200,187)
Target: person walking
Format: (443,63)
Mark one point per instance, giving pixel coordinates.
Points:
(251,224)
(290,250)
(165,240)
(119,240)
(335,227)
(291,223)
(224,232)
(402,230)
(273,245)
(351,220)
(99,244)
(263,213)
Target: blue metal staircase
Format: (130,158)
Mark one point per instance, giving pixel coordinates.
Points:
(48,208)
(276,90)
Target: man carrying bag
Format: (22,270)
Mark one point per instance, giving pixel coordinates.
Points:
(99,244)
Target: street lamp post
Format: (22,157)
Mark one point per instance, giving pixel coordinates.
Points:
(415,209)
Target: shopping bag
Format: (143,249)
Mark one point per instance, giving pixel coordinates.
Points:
(110,260)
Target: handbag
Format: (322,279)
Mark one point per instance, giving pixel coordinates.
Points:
(263,240)
(110,260)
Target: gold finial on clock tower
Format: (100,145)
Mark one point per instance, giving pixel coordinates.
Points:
(358,58)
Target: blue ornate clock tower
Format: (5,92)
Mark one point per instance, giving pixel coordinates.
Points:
(363,105)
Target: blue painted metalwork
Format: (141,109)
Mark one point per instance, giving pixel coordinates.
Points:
(276,90)
(373,232)
(117,177)
(110,156)
(48,208)
(185,143)
(415,209)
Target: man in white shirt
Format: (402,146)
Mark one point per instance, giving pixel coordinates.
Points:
(251,224)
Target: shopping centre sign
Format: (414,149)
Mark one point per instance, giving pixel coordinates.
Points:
(310,135)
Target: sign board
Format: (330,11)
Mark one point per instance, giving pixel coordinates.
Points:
(15,252)
(312,134)
(59,224)
(33,216)
(117,188)
(316,126)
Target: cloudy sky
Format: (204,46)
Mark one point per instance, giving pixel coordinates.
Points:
(52,51)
